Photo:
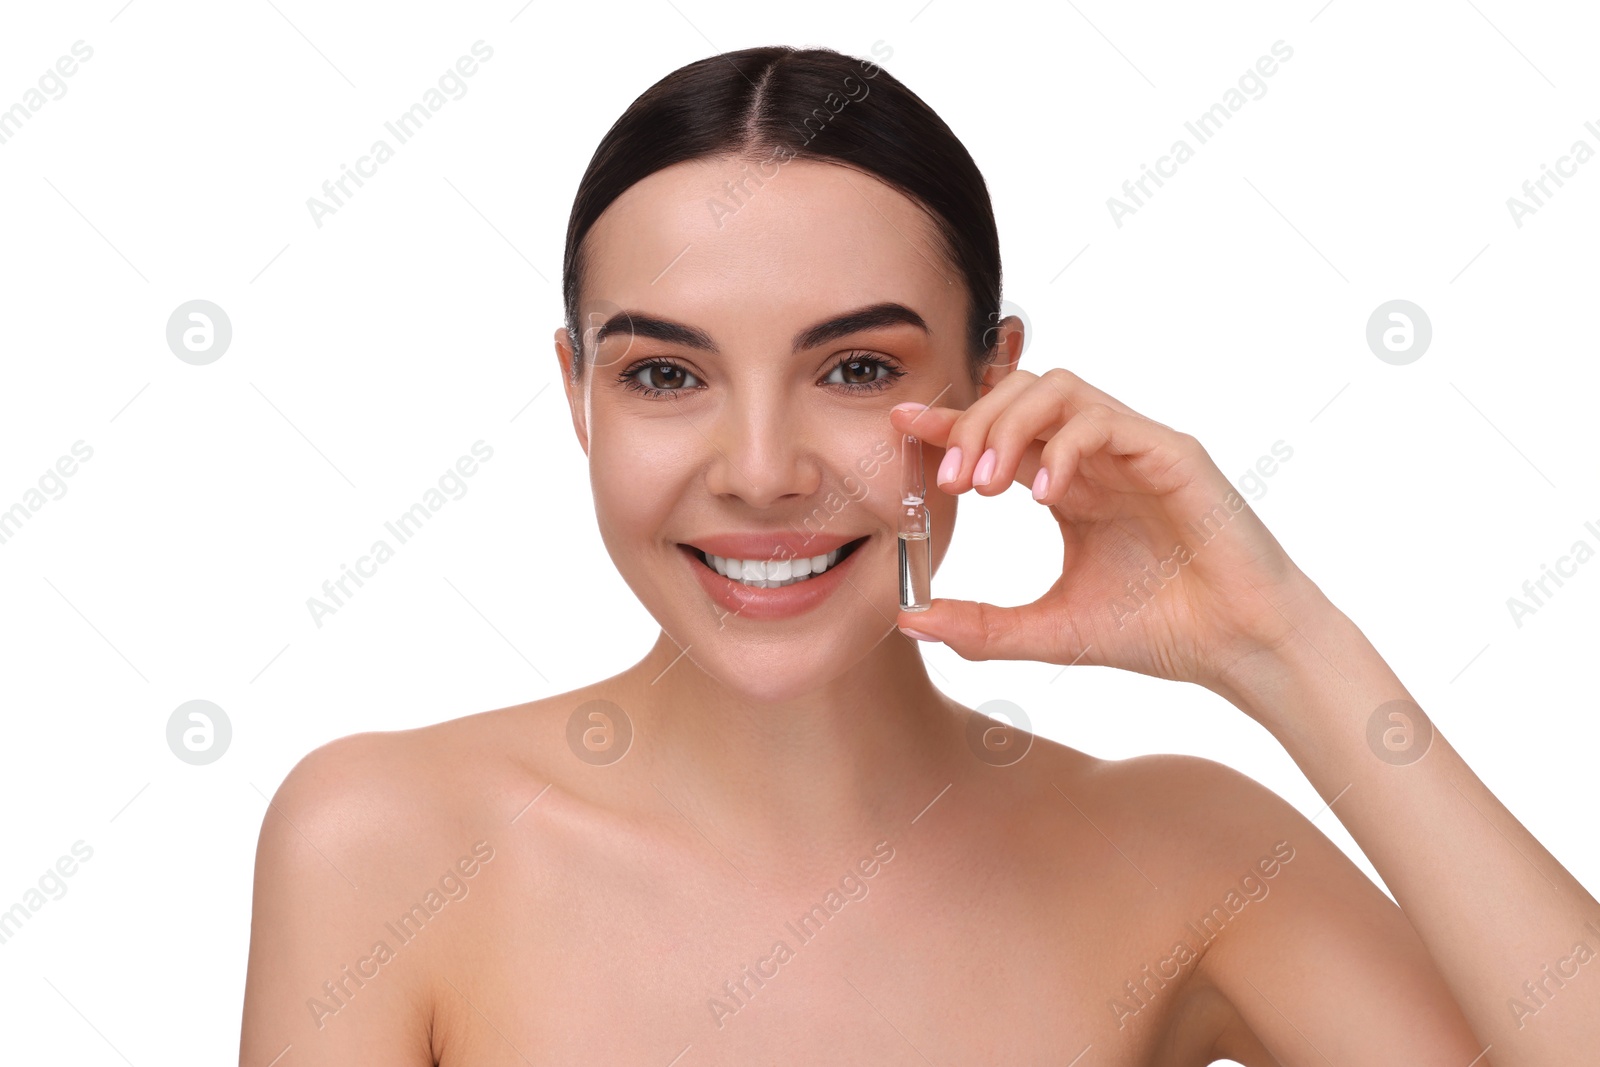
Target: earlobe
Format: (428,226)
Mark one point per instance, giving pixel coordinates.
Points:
(993,372)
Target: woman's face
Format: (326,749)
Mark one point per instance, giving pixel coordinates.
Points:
(732,406)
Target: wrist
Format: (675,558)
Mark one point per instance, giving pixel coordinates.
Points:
(1311,635)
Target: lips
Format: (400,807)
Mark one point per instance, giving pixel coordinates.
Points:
(808,549)
(764,546)
(753,604)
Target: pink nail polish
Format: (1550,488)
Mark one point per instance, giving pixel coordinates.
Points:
(951,465)
(985,468)
(1041,483)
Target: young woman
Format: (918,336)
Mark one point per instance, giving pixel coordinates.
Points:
(772,839)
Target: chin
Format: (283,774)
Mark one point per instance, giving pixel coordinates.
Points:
(746,683)
(759,663)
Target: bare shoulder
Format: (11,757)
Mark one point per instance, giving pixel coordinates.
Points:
(380,803)
(1182,831)
(1182,798)
(1219,842)
(432,776)
(1184,828)
(1193,848)
(1230,834)
(1292,942)
(365,843)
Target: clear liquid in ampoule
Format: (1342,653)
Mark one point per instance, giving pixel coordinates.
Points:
(916,567)
(916,558)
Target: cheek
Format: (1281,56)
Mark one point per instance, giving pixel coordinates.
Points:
(637,472)
(869,475)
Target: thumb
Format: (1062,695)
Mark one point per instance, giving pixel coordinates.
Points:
(981,631)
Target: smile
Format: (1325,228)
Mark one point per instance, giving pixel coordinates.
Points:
(769,590)
(776,574)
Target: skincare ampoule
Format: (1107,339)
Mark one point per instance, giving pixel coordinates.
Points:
(916,550)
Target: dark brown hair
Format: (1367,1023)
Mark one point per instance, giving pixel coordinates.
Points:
(778,102)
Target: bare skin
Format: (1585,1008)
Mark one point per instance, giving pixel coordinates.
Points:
(1004,928)
(1054,908)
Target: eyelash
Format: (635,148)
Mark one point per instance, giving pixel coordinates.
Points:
(628,379)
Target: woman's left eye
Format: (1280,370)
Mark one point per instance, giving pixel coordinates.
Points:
(671,372)
(853,364)
(846,372)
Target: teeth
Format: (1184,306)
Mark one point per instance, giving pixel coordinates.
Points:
(772,574)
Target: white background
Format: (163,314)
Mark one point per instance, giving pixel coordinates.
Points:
(368,354)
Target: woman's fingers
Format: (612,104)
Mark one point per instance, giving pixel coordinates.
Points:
(1013,419)
(929,424)
(979,631)
(1054,421)
(1156,453)
(962,439)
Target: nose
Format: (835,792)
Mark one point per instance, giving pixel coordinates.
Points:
(762,453)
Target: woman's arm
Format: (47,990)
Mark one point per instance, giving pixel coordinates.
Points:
(1167,571)
(1319,966)
(314,927)
(1515,937)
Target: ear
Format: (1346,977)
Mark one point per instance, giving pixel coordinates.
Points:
(1005,350)
(574,389)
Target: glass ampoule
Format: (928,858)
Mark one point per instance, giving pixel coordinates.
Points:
(916,547)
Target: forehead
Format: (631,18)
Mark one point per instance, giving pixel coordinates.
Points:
(769,246)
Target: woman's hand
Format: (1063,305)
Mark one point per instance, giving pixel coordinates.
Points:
(1165,569)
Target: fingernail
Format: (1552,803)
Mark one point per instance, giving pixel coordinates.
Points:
(951,465)
(985,469)
(918,634)
(1041,483)
(910,405)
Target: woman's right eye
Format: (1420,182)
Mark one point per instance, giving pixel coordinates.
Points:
(663,377)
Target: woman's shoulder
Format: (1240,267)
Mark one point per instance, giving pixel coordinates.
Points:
(1204,799)
(463,769)
(366,839)
(1190,817)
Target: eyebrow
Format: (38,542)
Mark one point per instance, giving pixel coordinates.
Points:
(871,317)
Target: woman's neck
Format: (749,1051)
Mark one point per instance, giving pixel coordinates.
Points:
(812,772)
